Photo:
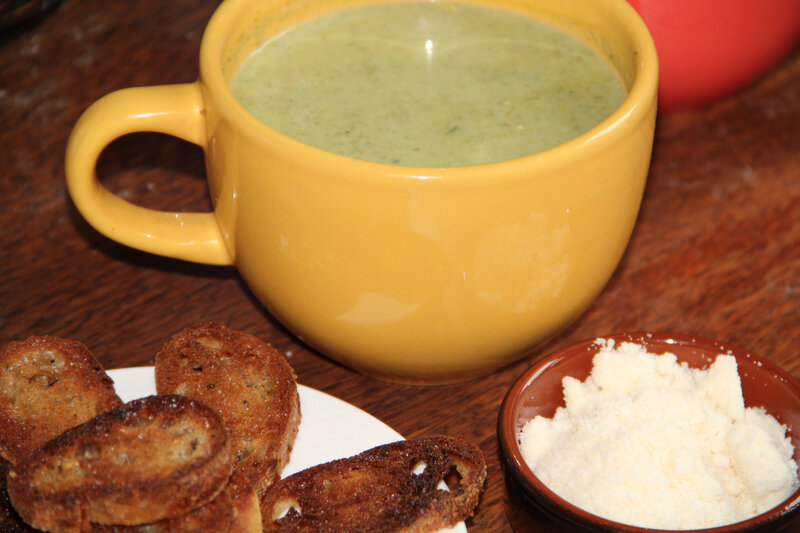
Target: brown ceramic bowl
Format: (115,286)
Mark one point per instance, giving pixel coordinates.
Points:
(538,392)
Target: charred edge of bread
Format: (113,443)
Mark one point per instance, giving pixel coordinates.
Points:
(47,385)
(234,510)
(153,458)
(10,521)
(244,379)
(395,487)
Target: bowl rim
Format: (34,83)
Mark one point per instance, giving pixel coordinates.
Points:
(539,494)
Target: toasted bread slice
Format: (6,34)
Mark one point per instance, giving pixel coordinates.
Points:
(391,488)
(153,458)
(234,510)
(247,382)
(47,385)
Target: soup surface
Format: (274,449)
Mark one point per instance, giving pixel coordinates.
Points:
(428,84)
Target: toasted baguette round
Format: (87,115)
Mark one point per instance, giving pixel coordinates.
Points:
(234,510)
(153,458)
(391,488)
(47,385)
(247,382)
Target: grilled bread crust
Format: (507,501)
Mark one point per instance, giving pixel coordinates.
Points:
(234,510)
(10,521)
(47,385)
(247,382)
(383,489)
(150,459)
(246,516)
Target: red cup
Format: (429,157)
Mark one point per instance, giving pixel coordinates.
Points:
(709,48)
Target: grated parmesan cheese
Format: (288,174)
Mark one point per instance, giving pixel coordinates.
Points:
(650,442)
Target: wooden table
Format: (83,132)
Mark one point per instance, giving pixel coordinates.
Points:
(716,250)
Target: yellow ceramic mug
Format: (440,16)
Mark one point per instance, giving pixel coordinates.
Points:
(423,275)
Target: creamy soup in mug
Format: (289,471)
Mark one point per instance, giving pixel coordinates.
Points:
(428,84)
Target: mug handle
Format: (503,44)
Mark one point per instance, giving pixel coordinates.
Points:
(176,110)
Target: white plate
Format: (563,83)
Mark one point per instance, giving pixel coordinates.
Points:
(329,427)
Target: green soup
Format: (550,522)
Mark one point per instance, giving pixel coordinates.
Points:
(428,84)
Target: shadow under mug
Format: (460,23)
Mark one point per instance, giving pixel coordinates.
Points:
(410,274)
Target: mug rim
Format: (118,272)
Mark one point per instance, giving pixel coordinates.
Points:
(634,108)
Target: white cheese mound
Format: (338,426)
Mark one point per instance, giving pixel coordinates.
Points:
(650,442)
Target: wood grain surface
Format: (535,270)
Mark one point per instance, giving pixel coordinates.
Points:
(715,252)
